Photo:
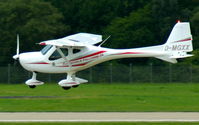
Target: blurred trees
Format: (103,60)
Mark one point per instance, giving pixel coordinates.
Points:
(33,20)
(94,16)
(135,30)
(131,23)
(195,26)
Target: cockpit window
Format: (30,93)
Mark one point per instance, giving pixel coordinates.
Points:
(46,49)
(64,51)
(55,55)
(76,51)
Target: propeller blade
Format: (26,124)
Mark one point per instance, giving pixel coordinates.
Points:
(17,51)
(17,44)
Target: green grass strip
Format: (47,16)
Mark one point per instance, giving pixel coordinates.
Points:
(100,98)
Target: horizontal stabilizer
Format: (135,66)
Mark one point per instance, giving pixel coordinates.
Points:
(172,59)
(181,56)
(167,59)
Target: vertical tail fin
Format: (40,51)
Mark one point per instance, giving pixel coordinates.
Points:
(180,38)
(178,43)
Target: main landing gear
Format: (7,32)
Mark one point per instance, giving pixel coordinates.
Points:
(69,82)
(67,88)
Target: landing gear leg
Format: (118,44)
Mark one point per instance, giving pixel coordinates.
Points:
(33,82)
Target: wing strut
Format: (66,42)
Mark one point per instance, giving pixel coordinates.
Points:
(64,57)
(104,41)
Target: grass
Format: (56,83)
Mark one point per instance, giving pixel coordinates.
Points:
(101,98)
(107,123)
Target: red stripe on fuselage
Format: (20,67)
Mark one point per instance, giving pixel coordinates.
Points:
(89,55)
(82,64)
(129,53)
(39,63)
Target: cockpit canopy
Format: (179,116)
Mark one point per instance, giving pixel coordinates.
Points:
(58,54)
(46,49)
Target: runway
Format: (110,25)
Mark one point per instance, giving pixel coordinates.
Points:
(99,117)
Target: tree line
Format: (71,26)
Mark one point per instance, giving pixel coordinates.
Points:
(131,23)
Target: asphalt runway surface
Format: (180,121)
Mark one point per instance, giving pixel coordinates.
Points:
(99,117)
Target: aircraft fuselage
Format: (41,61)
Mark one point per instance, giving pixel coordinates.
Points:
(76,61)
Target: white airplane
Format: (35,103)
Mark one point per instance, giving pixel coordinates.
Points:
(78,52)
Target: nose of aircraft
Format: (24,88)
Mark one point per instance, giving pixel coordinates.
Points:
(26,59)
(23,58)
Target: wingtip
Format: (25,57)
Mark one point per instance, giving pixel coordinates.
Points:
(42,43)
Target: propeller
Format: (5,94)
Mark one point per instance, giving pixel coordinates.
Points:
(17,51)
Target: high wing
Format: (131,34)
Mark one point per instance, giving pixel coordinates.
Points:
(77,40)
(85,38)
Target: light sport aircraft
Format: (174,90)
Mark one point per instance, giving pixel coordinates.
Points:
(78,52)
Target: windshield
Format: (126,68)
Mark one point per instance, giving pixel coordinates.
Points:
(46,49)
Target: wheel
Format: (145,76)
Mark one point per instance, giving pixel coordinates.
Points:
(75,86)
(66,88)
(32,86)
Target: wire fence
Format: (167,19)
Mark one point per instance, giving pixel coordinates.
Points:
(170,73)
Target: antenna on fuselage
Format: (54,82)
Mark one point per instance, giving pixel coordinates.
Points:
(104,41)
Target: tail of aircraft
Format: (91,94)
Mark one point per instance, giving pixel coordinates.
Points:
(178,43)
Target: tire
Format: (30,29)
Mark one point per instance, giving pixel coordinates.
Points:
(66,88)
(75,86)
(32,86)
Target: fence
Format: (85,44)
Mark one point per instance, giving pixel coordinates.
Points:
(112,74)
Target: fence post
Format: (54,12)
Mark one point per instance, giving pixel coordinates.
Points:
(28,74)
(130,72)
(49,78)
(111,73)
(90,75)
(151,66)
(191,73)
(9,73)
(170,73)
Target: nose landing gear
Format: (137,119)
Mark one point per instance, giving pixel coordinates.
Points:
(33,82)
